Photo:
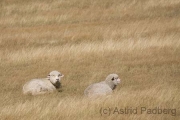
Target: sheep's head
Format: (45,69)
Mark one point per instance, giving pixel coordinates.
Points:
(112,80)
(55,77)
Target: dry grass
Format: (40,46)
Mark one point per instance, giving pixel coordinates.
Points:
(86,40)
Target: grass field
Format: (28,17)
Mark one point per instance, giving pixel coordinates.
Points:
(86,40)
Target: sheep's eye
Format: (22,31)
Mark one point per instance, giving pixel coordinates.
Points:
(59,75)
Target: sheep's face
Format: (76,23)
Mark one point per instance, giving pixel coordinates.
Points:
(55,77)
(114,78)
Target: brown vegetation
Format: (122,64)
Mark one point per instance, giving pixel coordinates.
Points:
(86,40)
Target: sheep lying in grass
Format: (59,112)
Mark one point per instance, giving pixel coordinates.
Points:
(44,85)
(102,88)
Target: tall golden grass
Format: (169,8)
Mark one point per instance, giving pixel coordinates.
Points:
(86,41)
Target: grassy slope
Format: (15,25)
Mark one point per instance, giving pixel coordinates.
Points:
(87,40)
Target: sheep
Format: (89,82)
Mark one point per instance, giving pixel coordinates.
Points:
(44,85)
(102,88)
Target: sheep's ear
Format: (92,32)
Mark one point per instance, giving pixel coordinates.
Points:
(112,79)
(62,75)
(48,76)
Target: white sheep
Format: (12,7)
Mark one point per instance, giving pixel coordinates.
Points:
(102,88)
(44,85)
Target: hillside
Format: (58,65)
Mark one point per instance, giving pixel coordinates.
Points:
(86,40)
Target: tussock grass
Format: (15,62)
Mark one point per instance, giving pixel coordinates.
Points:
(86,41)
